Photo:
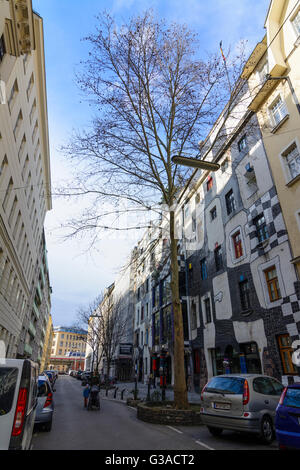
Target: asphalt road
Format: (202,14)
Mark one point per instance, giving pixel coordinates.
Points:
(115,427)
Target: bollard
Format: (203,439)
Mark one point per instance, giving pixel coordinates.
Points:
(115,394)
(122,393)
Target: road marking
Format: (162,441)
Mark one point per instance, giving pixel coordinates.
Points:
(174,429)
(132,407)
(204,445)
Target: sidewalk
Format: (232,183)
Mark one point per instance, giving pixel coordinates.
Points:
(128,387)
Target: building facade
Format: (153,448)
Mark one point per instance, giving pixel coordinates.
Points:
(24,182)
(68,349)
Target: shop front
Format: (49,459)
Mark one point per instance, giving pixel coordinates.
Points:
(239,359)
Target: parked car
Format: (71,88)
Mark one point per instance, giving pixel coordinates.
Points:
(241,402)
(51,376)
(287,420)
(72,373)
(85,377)
(79,374)
(18,401)
(45,405)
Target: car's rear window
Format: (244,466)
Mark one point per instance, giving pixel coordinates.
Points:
(42,388)
(8,380)
(292,398)
(233,385)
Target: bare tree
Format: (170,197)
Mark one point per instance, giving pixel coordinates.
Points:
(113,326)
(153,98)
(90,317)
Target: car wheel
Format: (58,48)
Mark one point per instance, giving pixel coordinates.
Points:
(48,426)
(267,431)
(215,431)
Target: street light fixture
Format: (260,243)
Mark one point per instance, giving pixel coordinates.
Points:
(195,163)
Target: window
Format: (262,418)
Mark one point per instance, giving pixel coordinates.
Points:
(286,352)
(193,315)
(8,382)
(262,72)
(267,386)
(218,258)
(230,202)
(237,243)
(278,111)
(245,294)
(261,228)
(292,159)
(2,48)
(207,310)
(296,23)
(224,165)
(209,183)
(213,213)
(272,284)
(242,143)
(203,269)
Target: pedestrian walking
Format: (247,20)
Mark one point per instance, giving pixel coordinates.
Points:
(86,394)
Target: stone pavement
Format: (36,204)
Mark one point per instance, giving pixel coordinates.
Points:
(128,387)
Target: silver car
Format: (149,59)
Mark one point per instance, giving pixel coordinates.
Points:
(241,402)
(45,405)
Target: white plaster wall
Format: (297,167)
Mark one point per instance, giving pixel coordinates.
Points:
(222,299)
(281,257)
(251,331)
(238,222)
(209,338)
(215,228)
(257,158)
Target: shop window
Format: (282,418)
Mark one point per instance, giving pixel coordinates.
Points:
(272,284)
(217,361)
(286,352)
(249,358)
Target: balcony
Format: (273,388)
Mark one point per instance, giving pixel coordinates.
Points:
(24,25)
(268,86)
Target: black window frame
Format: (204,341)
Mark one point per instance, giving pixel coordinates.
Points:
(208,312)
(2,48)
(218,257)
(262,233)
(245,296)
(230,202)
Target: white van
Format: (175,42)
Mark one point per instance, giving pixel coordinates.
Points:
(18,401)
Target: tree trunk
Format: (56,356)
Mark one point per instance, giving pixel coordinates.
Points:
(180,391)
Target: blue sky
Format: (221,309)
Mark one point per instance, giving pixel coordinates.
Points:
(76,275)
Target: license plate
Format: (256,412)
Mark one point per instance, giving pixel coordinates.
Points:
(222,406)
